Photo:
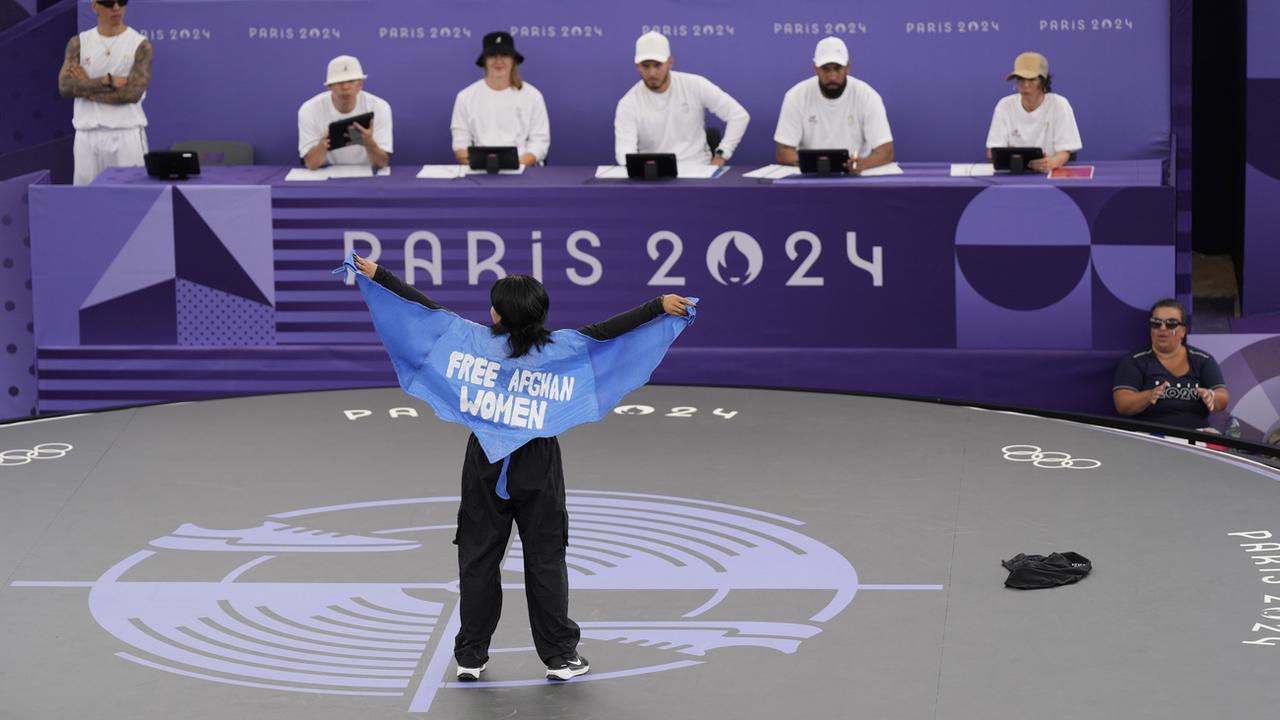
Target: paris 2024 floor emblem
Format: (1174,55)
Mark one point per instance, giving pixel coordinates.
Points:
(255,620)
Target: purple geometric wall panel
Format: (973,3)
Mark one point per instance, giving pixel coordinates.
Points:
(754,49)
(17,341)
(1180,95)
(31,111)
(141,317)
(76,238)
(1261,241)
(1251,368)
(210,317)
(1022,257)
(202,258)
(1261,292)
(242,223)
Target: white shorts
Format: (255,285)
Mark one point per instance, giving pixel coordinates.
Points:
(97,150)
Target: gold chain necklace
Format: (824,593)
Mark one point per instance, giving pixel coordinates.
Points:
(110,45)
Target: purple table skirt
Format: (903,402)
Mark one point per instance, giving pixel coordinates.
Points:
(1127,173)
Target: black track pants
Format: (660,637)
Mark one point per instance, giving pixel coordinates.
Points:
(535,482)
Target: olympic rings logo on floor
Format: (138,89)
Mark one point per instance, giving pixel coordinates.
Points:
(43,451)
(1048,460)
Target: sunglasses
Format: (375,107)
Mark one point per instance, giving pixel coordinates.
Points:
(112,3)
(1168,323)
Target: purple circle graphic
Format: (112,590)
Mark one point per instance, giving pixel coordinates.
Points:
(1022,248)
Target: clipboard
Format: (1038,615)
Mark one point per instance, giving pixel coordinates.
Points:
(340,130)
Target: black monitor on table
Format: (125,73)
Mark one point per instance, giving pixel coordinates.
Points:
(172,164)
(493,159)
(651,166)
(1015,159)
(824,162)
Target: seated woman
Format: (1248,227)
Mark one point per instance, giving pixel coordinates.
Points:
(1034,116)
(1170,382)
(501,109)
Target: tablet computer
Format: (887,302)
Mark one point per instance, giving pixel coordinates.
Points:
(491,159)
(340,130)
(824,162)
(651,166)
(172,164)
(1015,159)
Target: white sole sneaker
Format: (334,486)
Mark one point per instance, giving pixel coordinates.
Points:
(466,674)
(571,670)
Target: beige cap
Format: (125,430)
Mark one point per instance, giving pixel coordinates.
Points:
(830,50)
(1029,65)
(344,68)
(653,45)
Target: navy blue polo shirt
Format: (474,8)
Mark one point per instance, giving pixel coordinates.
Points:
(1142,370)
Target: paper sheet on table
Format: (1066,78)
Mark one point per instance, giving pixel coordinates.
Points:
(305,174)
(887,169)
(350,171)
(473,171)
(441,172)
(773,172)
(985,169)
(683,172)
(697,171)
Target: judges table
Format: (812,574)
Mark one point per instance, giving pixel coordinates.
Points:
(850,283)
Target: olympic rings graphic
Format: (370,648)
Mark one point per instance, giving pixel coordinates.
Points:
(43,451)
(1049,460)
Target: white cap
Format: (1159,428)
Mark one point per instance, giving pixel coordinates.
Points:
(652,45)
(344,68)
(830,50)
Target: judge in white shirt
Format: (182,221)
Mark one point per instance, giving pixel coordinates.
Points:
(834,111)
(501,109)
(666,111)
(1034,116)
(345,98)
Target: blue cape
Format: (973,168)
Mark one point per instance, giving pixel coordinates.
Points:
(462,370)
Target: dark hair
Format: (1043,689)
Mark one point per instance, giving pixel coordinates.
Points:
(1172,303)
(522,303)
(1046,82)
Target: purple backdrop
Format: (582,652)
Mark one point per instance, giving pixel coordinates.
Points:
(17,342)
(939,65)
(35,122)
(1262,168)
(793,293)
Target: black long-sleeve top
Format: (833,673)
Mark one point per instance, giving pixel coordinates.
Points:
(605,330)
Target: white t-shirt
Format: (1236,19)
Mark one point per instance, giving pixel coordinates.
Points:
(675,121)
(91,114)
(1050,127)
(313,124)
(483,116)
(855,121)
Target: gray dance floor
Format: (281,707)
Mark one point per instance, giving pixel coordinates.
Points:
(734,554)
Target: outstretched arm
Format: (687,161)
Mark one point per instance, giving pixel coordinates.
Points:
(637,316)
(388,280)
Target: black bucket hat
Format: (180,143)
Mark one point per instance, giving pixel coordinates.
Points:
(499,43)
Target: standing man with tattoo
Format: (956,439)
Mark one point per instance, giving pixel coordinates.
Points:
(107,69)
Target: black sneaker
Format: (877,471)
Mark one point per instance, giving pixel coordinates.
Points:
(563,667)
(470,674)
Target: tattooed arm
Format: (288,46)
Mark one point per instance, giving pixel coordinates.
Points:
(131,89)
(73,81)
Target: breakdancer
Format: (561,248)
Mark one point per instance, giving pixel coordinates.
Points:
(516,385)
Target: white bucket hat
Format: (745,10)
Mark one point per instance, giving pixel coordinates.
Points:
(344,68)
(830,50)
(652,45)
